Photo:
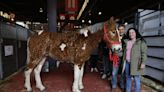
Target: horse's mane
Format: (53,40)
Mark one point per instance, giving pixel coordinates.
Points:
(94,28)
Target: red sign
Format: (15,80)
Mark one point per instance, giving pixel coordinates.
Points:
(71,5)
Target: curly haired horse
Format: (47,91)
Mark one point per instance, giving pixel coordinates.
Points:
(72,47)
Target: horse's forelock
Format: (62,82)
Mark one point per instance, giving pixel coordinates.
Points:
(112,32)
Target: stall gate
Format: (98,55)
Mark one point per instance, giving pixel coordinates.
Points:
(12,48)
(151,26)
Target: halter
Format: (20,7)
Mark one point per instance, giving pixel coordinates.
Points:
(112,56)
(107,38)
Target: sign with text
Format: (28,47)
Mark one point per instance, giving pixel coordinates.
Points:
(8,49)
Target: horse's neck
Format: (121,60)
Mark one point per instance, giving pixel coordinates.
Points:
(96,37)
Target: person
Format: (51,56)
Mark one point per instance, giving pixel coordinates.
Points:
(93,60)
(106,64)
(116,70)
(134,57)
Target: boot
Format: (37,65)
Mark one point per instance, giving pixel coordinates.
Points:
(103,76)
(92,69)
(96,70)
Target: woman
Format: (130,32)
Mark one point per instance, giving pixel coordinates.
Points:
(135,55)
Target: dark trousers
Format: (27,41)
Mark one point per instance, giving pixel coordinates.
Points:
(93,61)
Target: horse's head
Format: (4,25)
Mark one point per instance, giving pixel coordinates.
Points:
(111,35)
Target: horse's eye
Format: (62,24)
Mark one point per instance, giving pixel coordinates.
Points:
(114,32)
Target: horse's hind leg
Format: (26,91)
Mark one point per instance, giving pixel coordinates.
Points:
(81,86)
(37,71)
(27,84)
(27,73)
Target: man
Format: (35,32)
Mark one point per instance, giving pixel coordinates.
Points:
(106,64)
(116,70)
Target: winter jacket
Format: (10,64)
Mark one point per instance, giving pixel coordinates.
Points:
(138,56)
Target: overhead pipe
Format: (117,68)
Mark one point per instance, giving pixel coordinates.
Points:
(82,9)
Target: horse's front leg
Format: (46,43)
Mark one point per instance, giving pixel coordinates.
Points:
(27,84)
(81,86)
(75,87)
(37,71)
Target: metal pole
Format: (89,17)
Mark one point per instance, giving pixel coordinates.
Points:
(52,19)
(1,40)
(52,26)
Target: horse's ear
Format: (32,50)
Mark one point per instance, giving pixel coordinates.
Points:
(112,19)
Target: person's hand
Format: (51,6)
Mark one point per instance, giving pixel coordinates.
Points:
(142,66)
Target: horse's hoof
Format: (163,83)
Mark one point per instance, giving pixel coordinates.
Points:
(41,88)
(76,90)
(81,87)
(29,91)
(44,90)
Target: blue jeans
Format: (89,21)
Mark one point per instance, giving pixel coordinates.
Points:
(114,77)
(137,81)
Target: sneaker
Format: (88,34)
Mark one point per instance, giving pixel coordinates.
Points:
(46,70)
(103,76)
(96,70)
(110,78)
(91,69)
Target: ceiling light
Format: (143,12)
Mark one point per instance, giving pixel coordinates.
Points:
(126,23)
(40,9)
(100,13)
(83,21)
(89,21)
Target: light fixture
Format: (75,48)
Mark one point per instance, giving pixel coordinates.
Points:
(126,23)
(89,21)
(83,21)
(99,13)
(40,10)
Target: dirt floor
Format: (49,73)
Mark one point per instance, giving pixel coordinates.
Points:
(60,80)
